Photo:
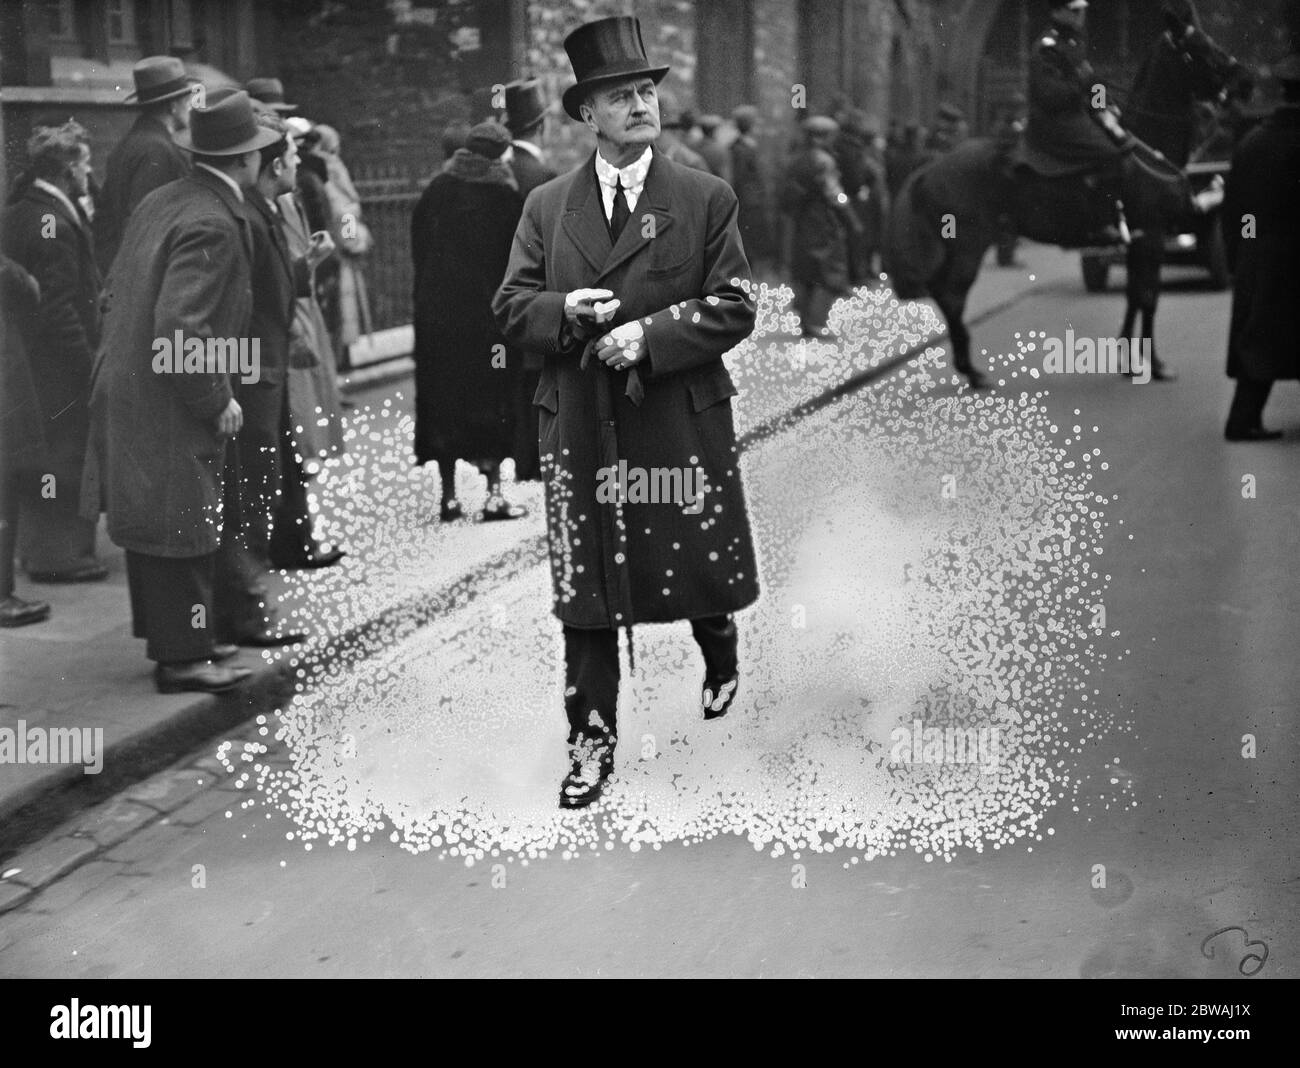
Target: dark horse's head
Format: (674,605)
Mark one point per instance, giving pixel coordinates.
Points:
(1184,66)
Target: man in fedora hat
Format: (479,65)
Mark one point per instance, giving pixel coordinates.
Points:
(628,275)
(526,113)
(269,93)
(178,298)
(148,155)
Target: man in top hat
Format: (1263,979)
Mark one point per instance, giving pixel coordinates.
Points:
(148,155)
(269,93)
(163,410)
(526,112)
(1260,199)
(629,275)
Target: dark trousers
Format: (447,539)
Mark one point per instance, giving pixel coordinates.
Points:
(591,672)
(183,606)
(9,480)
(1248,402)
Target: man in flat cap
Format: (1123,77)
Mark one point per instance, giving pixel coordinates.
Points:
(628,274)
(148,156)
(823,220)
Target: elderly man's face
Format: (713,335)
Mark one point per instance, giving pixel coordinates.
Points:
(626,114)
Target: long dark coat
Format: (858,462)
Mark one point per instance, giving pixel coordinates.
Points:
(156,462)
(678,267)
(460,242)
(278,281)
(1265,183)
(144,160)
(22,430)
(61,257)
(315,407)
(1060,116)
(820,252)
(529,171)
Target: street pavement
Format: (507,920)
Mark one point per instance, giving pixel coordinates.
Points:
(396,815)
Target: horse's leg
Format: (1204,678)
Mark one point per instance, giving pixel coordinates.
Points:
(1146,258)
(950,291)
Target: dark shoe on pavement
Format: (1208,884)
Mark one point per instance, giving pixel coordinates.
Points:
(592,764)
(200,676)
(15,612)
(717,696)
(270,636)
(450,510)
(87,572)
(974,378)
(1254,433)
(497,508)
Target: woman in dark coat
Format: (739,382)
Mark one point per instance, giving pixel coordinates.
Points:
(465,374)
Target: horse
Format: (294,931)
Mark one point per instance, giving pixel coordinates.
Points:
(948,213)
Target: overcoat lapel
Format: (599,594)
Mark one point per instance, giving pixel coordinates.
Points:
(584,218)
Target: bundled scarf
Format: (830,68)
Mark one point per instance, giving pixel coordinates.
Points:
(471,167)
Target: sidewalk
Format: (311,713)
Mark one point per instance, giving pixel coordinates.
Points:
(83,669)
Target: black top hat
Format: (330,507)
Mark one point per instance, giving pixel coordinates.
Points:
(606,50)
(159,78)
(270,93)
(226,127)
(525,106)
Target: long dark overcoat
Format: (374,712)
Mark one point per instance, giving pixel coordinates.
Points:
(1264,183)
(22,430)
(751,190)
(144,160)
(55,246)
(156,461)
(678,267)
(466,376)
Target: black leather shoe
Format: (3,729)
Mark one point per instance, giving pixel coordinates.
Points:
(592,764)
(15,612)
(974,378)
(1255,433)
(717,695)
(450,510)
(90,572)
(200,676)
(267,638)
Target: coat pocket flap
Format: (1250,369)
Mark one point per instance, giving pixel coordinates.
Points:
(711,388)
